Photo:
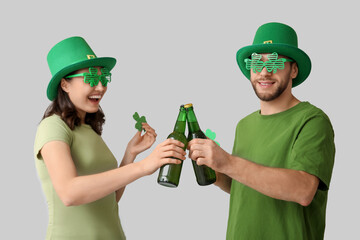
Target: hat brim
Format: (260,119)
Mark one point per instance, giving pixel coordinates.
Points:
(106,62)
(300,57)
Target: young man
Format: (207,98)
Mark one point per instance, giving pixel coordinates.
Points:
(279,172)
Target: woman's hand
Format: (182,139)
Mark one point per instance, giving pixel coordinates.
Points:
(140,143)
(164,153)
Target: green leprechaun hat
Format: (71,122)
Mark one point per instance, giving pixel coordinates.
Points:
(69,55)
(280,38)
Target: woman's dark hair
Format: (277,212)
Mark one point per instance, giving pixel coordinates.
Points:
(63,107)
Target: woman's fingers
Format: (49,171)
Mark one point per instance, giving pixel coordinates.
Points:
(171,161)
(172,142)
(172,151)
(173,154)
(149,129)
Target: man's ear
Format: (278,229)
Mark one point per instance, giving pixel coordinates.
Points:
(294,70)
(64,85)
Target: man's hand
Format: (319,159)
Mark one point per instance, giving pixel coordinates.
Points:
(207,152)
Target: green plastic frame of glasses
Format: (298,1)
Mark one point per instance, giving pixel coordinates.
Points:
(273,64)
(93,78)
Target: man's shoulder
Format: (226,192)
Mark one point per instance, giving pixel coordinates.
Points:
(249,118)
(253,114)
(309,110)
(301,112)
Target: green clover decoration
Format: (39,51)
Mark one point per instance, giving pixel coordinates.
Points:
(139,120)
(105,77)
(273,64)
(92,78)
(211,135)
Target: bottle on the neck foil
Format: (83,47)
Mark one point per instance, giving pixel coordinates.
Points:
(204,174)
(169,174)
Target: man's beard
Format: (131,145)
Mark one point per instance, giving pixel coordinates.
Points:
(267,97)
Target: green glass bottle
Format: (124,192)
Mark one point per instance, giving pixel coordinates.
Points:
(204,174)
(169,174)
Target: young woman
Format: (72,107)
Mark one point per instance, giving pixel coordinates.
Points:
(79,174)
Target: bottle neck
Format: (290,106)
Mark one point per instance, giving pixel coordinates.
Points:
(192,121)
(180,124)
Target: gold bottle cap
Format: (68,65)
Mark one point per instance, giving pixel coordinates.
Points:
(188,105)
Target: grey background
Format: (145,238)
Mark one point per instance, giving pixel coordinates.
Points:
(170,53)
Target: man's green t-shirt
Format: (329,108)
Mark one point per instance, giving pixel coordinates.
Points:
(92,221)
(301,138)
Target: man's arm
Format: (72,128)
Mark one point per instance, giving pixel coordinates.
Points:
(279,183)
(223,182)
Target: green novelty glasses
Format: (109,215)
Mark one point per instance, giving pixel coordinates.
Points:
(273,64)
(93,78)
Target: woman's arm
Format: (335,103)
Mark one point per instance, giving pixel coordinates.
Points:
(136,145)
(127,159)
(76,190)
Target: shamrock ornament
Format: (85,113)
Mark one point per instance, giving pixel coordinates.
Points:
(211,135)
(139,120)
(105,76)
(92,77)
(255,63)
(274,63)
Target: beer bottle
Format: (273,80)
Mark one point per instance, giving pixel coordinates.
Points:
(204,174)
(169,174)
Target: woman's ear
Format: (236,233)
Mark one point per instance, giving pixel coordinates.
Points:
(64,85)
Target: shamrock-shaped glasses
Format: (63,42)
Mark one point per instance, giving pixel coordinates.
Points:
(93,78)
(273,64)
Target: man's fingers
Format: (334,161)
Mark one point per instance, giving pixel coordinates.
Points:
(200,161)
(194,155)
(197,141)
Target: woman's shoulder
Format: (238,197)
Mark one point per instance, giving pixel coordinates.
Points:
(52,120)
(51,128)
(53,124)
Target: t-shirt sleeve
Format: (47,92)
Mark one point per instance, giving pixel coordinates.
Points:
(235,139)
(51,129)
(314,150)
